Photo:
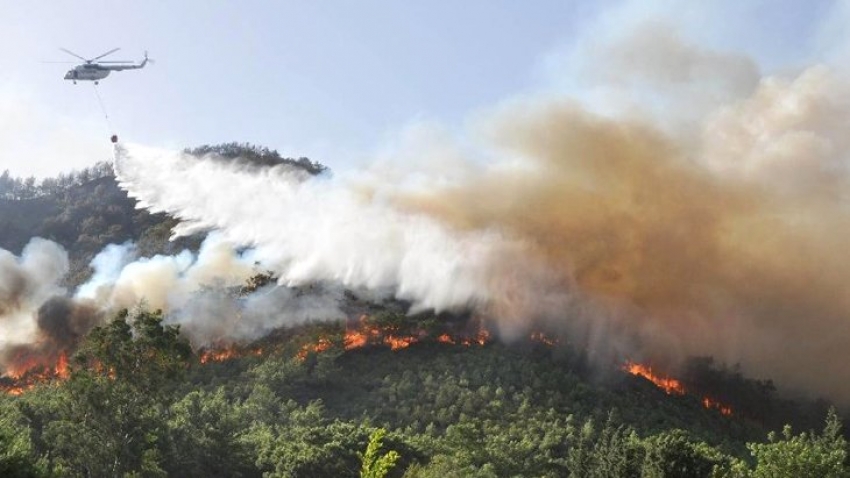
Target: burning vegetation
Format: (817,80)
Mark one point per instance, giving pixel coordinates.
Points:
(395,332)
(225,353)
(62,323)
(32,371)
(671,386)
(28,366)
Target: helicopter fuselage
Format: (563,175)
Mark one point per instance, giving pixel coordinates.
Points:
(87,73)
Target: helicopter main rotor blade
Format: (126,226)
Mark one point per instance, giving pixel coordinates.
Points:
(73,54)
(107,53)
(117,61)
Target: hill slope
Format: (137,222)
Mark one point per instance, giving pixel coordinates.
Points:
(304,401)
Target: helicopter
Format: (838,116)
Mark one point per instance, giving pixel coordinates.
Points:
(93,70)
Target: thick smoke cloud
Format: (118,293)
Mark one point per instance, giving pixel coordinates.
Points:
(62,321)
(37,320)
(701,209)
(26,282)
(744,263)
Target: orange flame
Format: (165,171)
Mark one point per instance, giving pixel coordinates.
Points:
(17,389)
(320,346)
(710,403)
(482,338)
(22,364)
(366,334)
(227,353)
(543,338)
(61,368)
(355,339)
(217,355)
(28,370)
(396,343)
(669,385)
(446,339)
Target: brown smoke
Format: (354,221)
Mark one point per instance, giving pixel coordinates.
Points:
(733,248)
(62,322)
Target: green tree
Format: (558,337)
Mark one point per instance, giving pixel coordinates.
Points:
(17,457)
(307,449)
(109,419)
(580,454)
(804,455)
(138,350)
(206,431)
(373,464)
(673,454)
(616,452)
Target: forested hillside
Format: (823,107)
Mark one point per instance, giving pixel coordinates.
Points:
(306,402)
(83,211)
(380,393)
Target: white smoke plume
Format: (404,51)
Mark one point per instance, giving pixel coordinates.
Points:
(121,280)
(201,292)
(314,230)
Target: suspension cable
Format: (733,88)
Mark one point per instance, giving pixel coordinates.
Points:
(102,107)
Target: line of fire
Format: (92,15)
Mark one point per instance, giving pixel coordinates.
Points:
(33,367)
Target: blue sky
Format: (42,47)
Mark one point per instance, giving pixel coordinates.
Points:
(331,80)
